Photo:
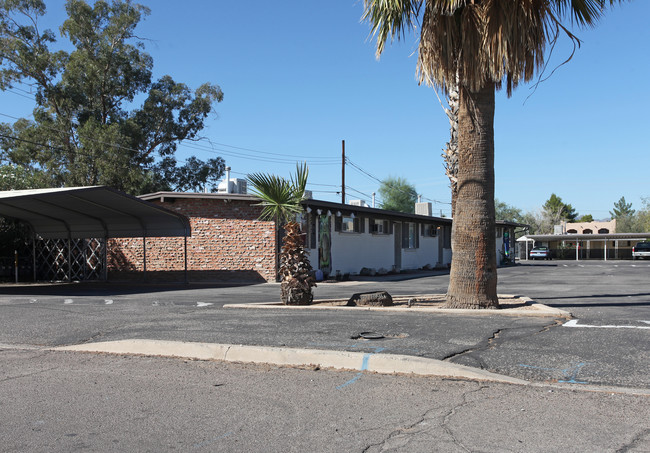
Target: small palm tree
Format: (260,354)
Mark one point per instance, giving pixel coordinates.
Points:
(281,202)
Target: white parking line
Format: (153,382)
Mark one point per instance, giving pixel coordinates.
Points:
(68,301)
(574,323)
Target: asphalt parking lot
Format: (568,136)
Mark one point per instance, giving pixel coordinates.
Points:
(588,391)
(606,343)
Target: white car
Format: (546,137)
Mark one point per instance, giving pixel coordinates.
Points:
(540,252)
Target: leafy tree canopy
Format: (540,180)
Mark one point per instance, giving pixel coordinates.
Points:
(586,218)
(622,209)
(504,211)
(398,195)
(15,177)
(85,130)
(557,210)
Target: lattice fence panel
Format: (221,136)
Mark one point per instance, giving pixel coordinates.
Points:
(62,260)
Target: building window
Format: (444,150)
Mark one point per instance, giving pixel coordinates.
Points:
(603,231)
(378,226)
(410,236)
(349,224)
(587,231)
(429,230)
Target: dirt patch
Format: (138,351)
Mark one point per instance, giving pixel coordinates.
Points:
(433,301)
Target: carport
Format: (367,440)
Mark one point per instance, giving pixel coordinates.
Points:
(587,239)
(72,213)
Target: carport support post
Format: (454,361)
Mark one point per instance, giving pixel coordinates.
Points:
(605,249)
(526,249)
(577,250)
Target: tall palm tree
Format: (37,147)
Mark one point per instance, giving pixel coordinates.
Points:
(281,202)
(480,44)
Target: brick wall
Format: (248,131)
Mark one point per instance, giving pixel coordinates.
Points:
(228,242)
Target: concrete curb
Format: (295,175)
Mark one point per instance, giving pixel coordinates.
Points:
(342,360)
(532,308)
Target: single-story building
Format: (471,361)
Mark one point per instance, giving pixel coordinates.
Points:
(229,242)
(97,233)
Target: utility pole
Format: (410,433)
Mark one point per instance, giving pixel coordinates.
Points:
(342,171)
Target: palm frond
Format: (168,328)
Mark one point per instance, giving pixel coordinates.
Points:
(390,18)
(494,41)
(280,197)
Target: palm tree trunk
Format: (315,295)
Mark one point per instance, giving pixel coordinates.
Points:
(473,278)
(451,149)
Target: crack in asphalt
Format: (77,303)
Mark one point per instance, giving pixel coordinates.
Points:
(403,431)
(631,446)
(547,328)
(445,421)
(402,436)
(485,344)
(493,341)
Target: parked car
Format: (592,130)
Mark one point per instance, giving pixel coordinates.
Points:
(641,250)
(540,252)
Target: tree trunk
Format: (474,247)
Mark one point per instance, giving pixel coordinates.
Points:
(473,277)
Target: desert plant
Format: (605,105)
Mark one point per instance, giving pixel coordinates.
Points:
(281,202)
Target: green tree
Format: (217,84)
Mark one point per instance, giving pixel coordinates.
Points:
(622,209)
(586,218)
(398,195)
(477,46)
(15,177)
(556,210)
(637,222)
(84,130)
(504,211)
(281,199)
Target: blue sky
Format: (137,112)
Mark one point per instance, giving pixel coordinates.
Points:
(300,76)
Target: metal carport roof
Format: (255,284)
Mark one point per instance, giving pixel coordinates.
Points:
(86,212)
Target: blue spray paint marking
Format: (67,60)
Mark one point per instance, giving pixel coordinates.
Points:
(364,363)
(569,373)
(364,367)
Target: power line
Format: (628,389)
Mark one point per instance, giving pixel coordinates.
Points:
(20,94)
(218,151)
(276,154)
(39,144)
(358,191)
(361,170)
